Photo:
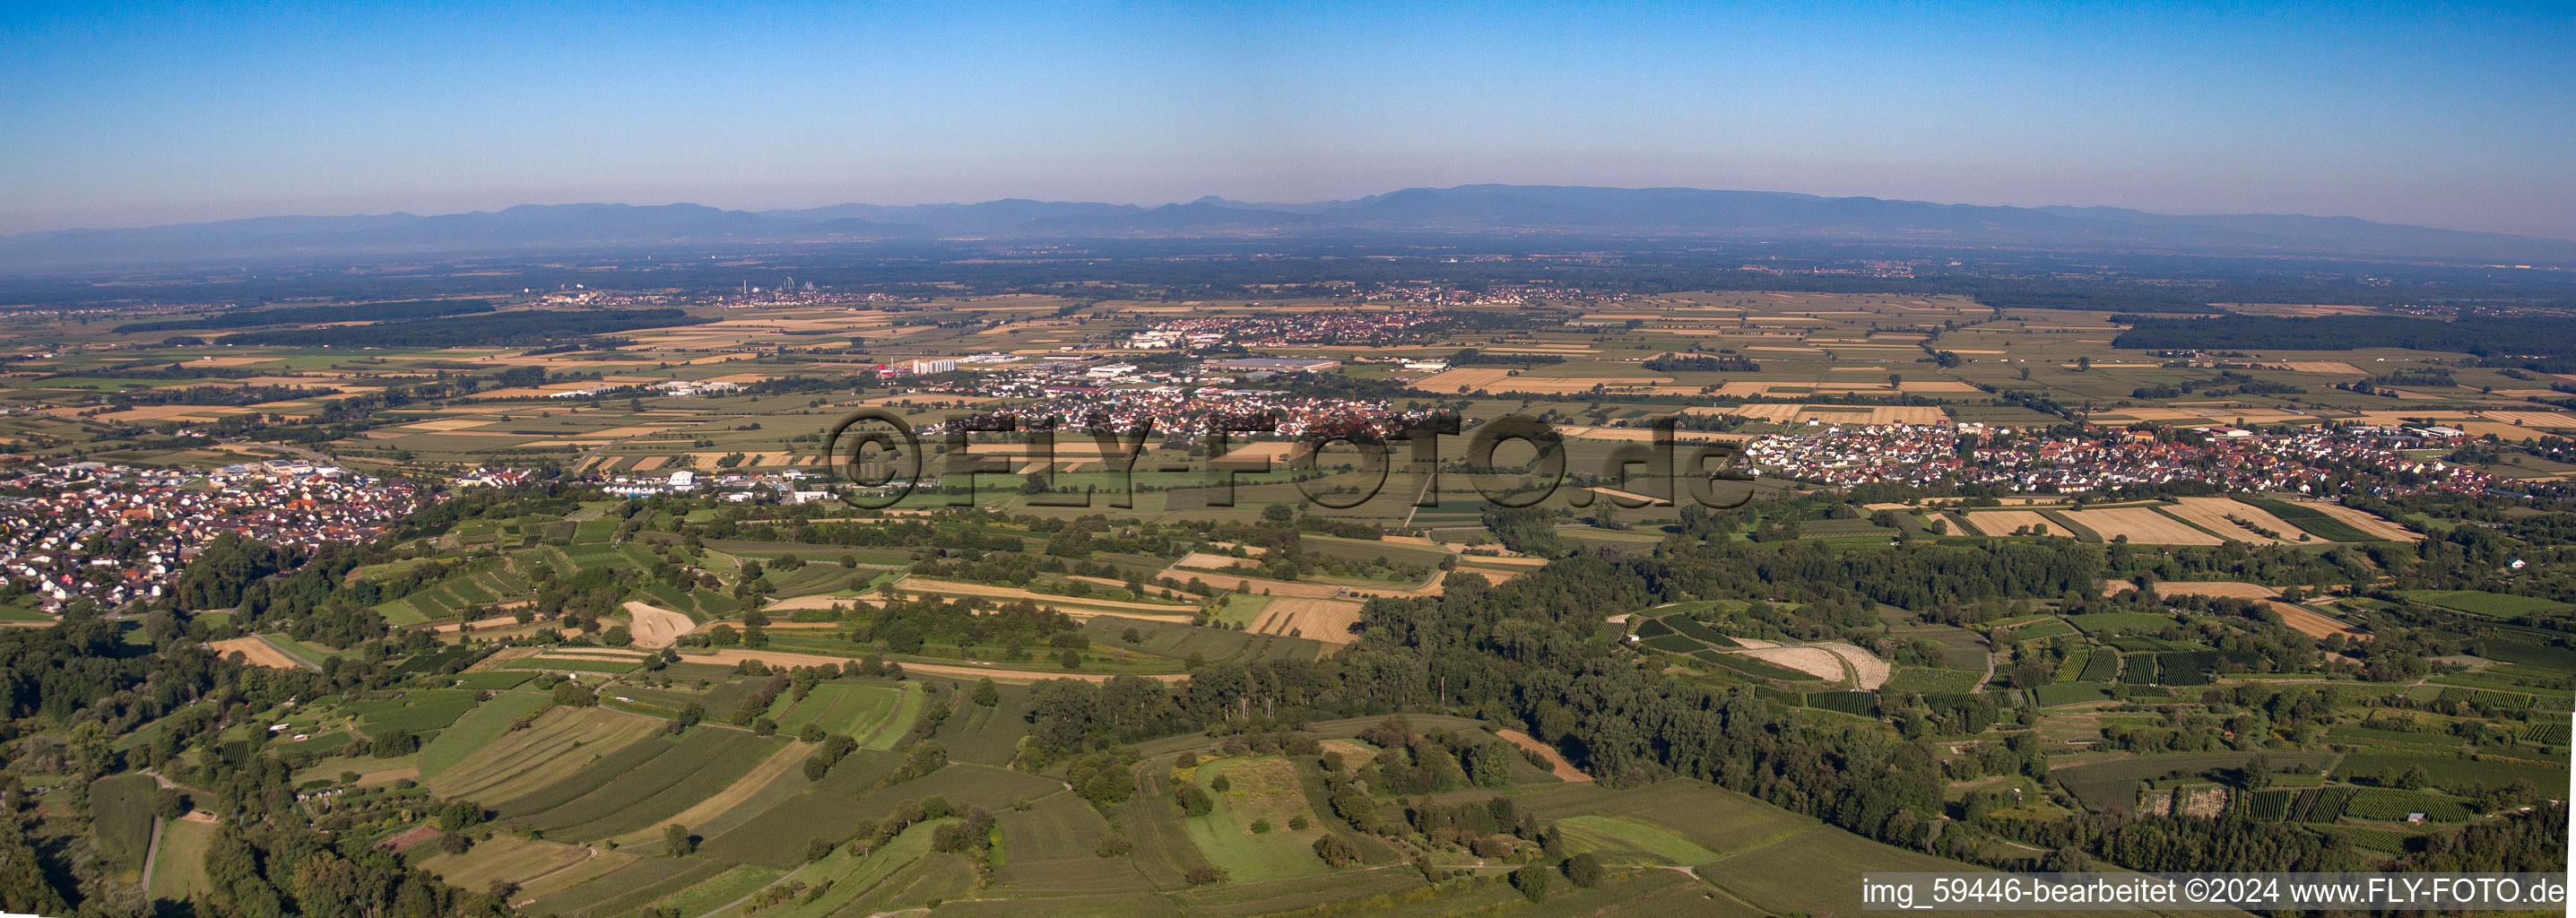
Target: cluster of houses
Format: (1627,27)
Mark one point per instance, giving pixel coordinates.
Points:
(1195,410)
(116,534)
(2233,459)
(793,486)
(1290,329)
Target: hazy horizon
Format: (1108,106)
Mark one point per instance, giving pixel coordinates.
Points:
(1141,204)
(2431,118)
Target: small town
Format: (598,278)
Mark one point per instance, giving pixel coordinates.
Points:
(2306,460)
(113,534)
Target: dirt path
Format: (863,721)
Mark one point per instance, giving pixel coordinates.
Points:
(1565,771)
(152,857)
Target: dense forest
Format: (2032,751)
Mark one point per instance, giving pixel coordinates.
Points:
(2544,337)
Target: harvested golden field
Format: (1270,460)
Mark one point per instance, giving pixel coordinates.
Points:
(2145,526)
(2211,513)
(1327,620)
(2305,620)
(1564,770)
(2366,522)
(255,652)
(2533,418)
(2003,522)
(2261,517)
(1955,524)
(1473,380)
(2221,588)
(1209,562)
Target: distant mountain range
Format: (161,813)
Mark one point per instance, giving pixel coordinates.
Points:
(1467,210)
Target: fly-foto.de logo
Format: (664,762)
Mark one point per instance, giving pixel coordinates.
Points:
(882,459)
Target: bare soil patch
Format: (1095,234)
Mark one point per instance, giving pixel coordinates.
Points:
(1565,771)
(656,627)
(256,652)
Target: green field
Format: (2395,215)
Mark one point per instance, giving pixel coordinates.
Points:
(2456,774)
(631,790)
(179,871)
(2311,519)
(722,889)
(2492,605)
(416,711)
(850,709)
(1618,833)
(2115,784)
(1264,788)
(121,814)
(476,729)
(560,742)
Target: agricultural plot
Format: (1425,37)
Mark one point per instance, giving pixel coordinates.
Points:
(1695,812)
(2211,515)
(777,836)
(2002,523)
(476,729)
(506,858)
(2114,785)
(2334,521)
(1934,681)
(2382,804)
(1178,642)
(2491,605)
(856,710)
(1050,852)
(559,743)
(416,711)
(121,816)
(632,797)
(2454,774)
(2142,526)
(2039,630)
(1332,621)
(722,889)
(179,869)
(631,886)
(1620,834)
(1163,850)
(1247,830)
(1821,868)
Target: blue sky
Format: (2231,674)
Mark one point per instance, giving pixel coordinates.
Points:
(125,115)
